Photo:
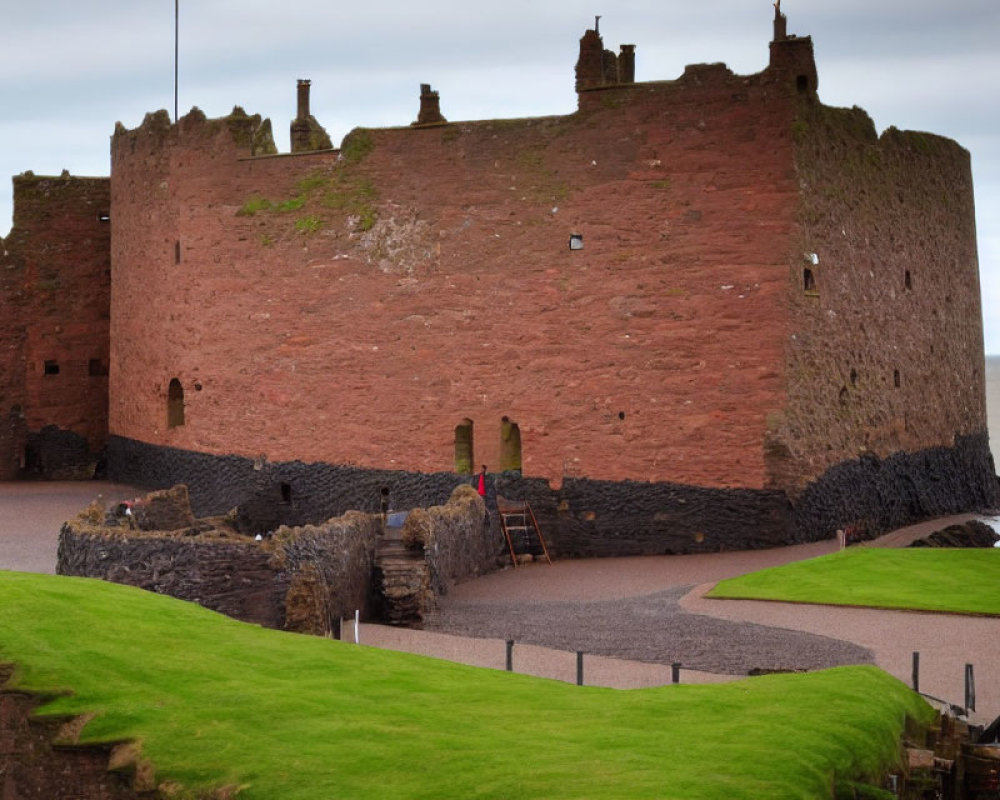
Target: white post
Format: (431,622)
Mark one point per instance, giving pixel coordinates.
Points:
(357,626)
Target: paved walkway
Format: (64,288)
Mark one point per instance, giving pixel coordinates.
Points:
(32,513)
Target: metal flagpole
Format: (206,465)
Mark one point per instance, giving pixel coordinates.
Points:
(176,31)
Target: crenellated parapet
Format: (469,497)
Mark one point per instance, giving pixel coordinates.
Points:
(250,134)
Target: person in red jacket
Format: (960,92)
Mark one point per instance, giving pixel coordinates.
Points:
(481,484)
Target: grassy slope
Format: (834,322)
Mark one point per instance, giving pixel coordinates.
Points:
(217,702)
(926,579)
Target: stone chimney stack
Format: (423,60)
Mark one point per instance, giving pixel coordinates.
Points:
(626,63)
(780,23)
(303,97)
(307,134)
(430,107)
(590,64)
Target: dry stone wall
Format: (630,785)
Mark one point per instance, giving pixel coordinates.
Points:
(300,579)
(458,540)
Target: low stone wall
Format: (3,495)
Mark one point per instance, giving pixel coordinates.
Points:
(328,570)
(459,542)
(300,579)
(231,577)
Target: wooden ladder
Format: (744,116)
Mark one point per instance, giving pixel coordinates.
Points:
(521,529)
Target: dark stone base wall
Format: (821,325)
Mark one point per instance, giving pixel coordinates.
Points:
(217,484)
(588,518)
(884,494)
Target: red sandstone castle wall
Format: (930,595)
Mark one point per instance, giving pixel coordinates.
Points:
(54,307)
(426,278)
(886,353)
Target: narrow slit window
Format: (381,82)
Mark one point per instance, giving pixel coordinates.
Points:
(510,446)
(463,447)
(175,404)
(808,280)
(51,367)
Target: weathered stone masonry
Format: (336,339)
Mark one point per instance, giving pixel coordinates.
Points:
(767,325)
(54,320)
(303,578)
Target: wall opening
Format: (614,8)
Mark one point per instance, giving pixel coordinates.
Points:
(175,404)
(907,280)
(843,395)
(510,445)
(104,216)
(802,83)
(576,241)
(808,280)
(51,368)
(895,378)
(463,447)
(177,252)
(854,377)
(96,368)
(286,494)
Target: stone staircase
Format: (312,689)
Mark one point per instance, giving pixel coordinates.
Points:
(402,579)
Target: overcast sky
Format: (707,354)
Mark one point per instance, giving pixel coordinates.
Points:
(69,69)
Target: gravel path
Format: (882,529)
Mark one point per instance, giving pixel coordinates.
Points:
(651,628)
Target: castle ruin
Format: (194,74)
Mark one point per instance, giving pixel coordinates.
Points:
(696,314)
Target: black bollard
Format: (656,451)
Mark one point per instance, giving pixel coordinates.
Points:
(510,655)
(916,671)
(675,672)
(579,668)
(970,688)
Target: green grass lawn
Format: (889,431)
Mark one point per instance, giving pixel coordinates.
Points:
(218,702)
(962,581)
